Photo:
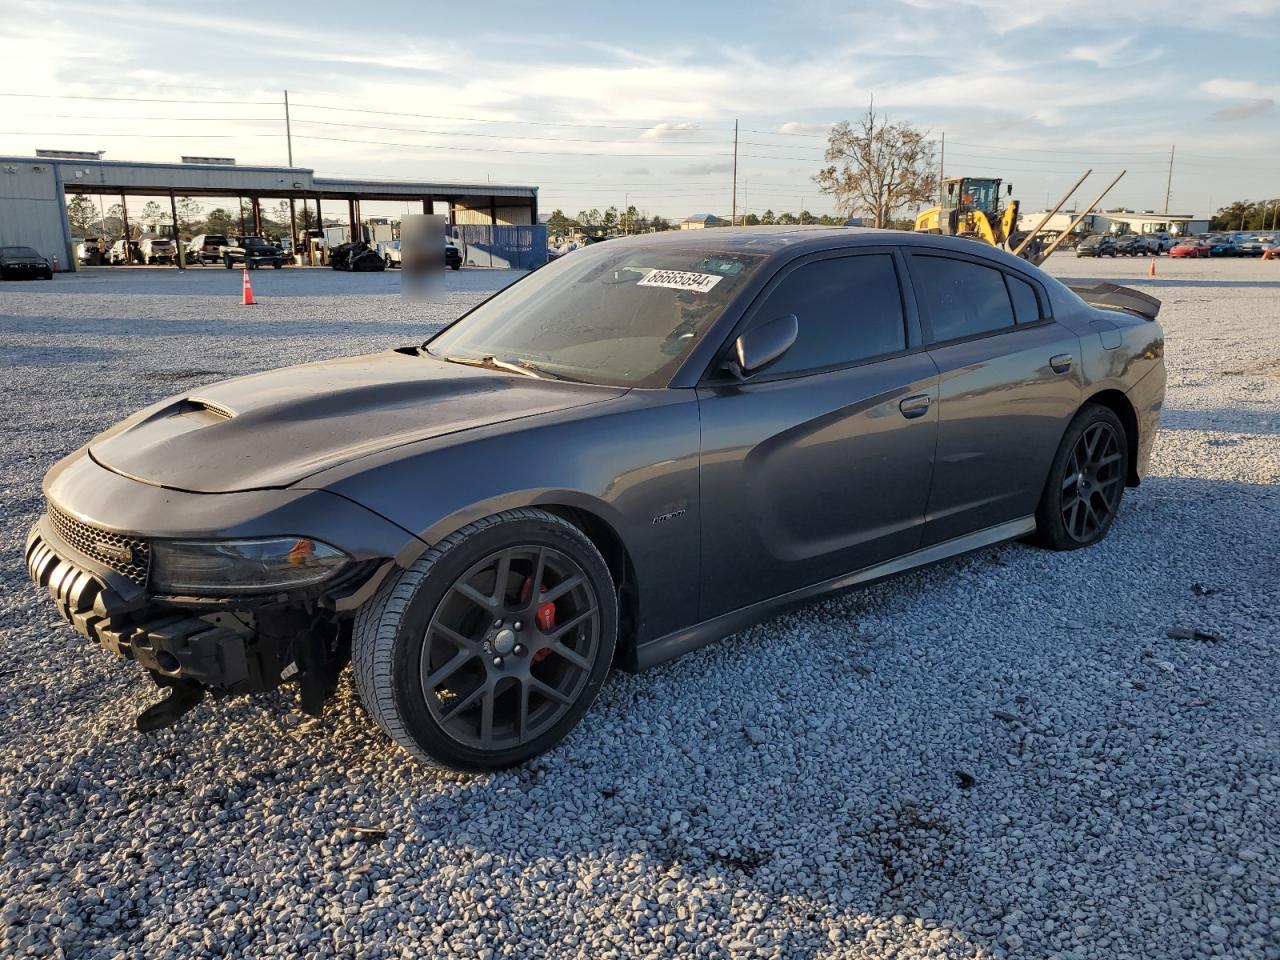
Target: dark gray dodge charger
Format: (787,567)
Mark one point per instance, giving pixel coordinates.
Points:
(644,446)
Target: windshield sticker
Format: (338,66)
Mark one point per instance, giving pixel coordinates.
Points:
(680,280)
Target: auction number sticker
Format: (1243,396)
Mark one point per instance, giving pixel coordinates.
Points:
(680,280)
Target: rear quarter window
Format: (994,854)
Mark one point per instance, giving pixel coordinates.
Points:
(1026,305)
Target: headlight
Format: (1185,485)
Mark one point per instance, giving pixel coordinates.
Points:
(242,566)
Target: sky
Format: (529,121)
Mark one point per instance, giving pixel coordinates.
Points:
(604,104)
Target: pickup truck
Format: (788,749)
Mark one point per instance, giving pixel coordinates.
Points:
(253,252)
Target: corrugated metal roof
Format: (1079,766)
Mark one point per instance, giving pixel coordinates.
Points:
(196,179)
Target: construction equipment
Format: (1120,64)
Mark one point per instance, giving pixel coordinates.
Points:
(971,208)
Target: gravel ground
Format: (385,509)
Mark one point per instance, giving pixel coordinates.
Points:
(1005,755)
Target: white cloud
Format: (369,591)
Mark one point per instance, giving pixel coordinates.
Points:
(670,131)
(1245,111)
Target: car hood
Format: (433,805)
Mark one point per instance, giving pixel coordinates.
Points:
(273,429)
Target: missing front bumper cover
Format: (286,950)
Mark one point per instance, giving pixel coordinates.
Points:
(190,650)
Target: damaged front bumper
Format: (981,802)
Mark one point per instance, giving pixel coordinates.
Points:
(195,644)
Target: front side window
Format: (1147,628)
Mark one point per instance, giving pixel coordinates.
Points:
(616,315)
(849,309)
(960,298)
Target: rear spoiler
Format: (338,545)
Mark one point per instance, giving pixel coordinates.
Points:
(1112,296)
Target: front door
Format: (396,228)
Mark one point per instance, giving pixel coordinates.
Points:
(821,464)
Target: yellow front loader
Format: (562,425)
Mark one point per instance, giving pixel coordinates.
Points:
(971,208)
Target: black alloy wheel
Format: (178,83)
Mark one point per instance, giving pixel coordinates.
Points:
(492,645)
(503,661)
(1086,481)
(1093,483)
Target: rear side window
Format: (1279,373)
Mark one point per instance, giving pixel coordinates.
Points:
(1026,307)
(849,309)
(960,298)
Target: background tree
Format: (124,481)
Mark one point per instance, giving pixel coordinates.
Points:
(1247,215)
(220,221)
(806,217)
(631,220)
(190,215)
(875,167)
(82,215)
(113,226)
(559,225)
(752,220)
(659,224)
(610,220)
(787,219)
(768,218)
(153,217)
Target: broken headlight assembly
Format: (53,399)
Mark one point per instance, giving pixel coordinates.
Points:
(266,565)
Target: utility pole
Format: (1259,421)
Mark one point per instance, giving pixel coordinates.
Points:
(1168,189)
(288,129)
(733,214)
(942,167)
(293,211)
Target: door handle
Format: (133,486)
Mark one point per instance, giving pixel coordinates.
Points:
(916,406)
(1061,363)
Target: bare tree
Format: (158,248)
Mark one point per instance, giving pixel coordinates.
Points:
(876,167)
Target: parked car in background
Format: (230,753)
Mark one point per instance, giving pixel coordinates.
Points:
(1132,245)
(356,257)
(125,251)
(157,249)
(647,446)
(24,263)
(1097,245)
(92,251)
(1255,245)
(206,248)
(393,256)
(1190,247)
(1223,247)
(252,252)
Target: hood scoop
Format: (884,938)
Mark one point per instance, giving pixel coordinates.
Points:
(210,411)
(272,429)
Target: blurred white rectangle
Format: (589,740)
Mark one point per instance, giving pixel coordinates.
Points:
(422,254)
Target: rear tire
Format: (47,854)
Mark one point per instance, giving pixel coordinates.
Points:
(482,674)
(1086,481)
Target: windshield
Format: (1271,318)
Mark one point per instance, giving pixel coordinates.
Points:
(610,315)
(18,252)
(981,195)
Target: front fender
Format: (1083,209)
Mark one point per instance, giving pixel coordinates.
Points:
(632,462)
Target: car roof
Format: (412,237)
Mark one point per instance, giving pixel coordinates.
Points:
(798,240)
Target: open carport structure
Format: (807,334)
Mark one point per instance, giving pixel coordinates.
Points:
(33,192)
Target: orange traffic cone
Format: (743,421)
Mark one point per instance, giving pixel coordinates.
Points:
(248,300)
(1151,270)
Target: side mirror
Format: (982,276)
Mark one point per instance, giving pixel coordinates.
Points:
(1009,189)
(757,349)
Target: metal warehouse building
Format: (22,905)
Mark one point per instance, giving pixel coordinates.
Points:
(33,192)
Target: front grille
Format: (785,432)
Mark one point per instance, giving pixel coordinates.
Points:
(127,556)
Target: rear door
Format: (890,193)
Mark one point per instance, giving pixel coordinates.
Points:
(819,465)
(1009,385)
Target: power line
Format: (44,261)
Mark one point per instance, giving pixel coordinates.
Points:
(551,153)
(538,123)
(55,96)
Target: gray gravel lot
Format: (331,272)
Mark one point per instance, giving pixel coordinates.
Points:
(1005,755)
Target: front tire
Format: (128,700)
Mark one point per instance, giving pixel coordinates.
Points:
(492,645)
(1086,481)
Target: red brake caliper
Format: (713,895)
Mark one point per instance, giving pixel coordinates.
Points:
(545,617)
